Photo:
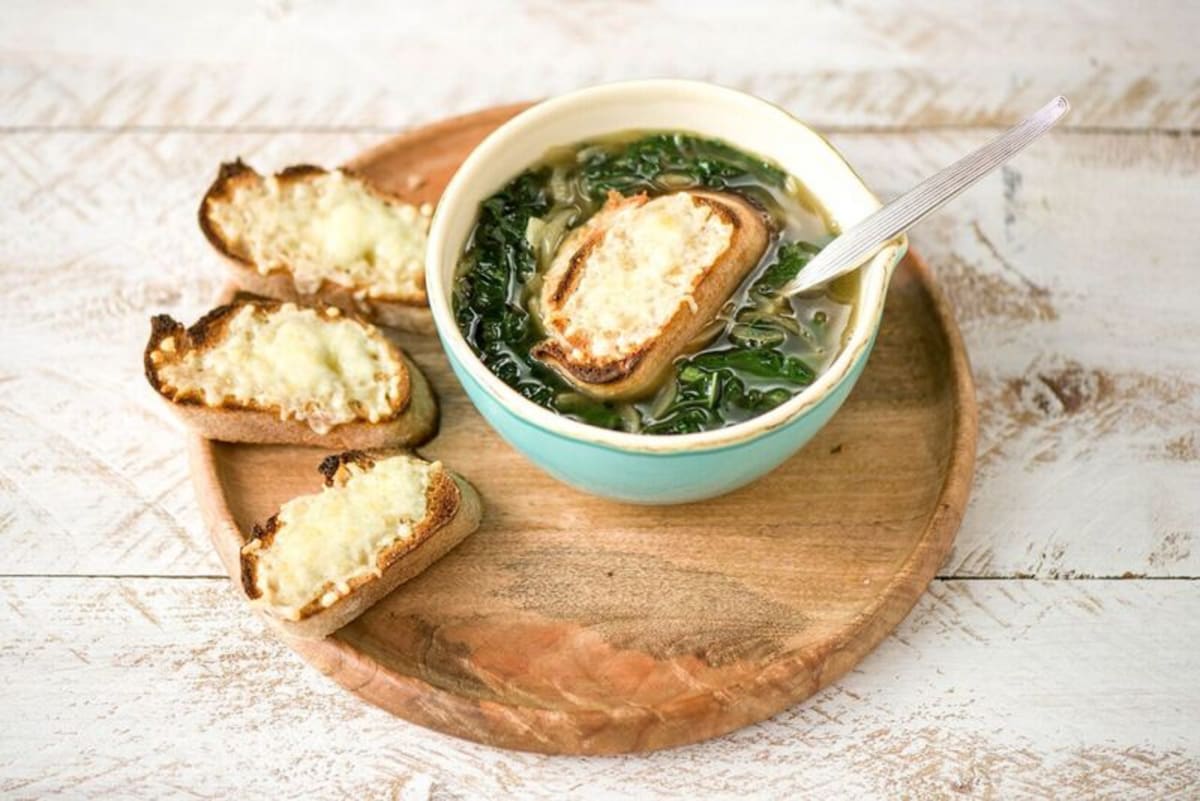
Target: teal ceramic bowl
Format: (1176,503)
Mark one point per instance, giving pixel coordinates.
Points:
(642,468)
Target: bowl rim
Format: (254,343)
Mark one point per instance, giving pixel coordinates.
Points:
(864,325)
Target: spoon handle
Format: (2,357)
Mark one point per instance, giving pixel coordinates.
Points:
(852,248)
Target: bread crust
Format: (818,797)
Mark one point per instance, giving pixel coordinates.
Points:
(638,373)
(453,511)
(413,421)
(409,313)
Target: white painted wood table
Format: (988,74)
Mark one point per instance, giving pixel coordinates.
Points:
(1057,655)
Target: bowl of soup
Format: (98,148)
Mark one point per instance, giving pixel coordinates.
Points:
(759,373)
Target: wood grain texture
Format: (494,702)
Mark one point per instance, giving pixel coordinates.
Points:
(285,64)
(102,229)
(989,690)
(570,624)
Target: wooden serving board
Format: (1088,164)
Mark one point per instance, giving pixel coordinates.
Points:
(570,624)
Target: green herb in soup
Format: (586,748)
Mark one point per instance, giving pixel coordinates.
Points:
(759,351)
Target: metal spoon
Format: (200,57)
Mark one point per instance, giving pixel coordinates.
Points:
(854,247)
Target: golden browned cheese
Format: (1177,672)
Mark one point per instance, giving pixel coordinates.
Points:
(646,262)
(325,226)
(317,366)
(323,542)
(631,287)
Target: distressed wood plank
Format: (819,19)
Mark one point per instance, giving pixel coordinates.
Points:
(1071,281)
(158,687)
(285,64)
(103,226)
(1091,411)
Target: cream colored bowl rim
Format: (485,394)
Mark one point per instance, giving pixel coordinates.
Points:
(459,198)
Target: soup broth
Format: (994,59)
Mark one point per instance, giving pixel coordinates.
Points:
(761,349)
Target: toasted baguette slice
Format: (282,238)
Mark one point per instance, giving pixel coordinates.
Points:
(308,234)
(632,286)
(264,371)
(382,518)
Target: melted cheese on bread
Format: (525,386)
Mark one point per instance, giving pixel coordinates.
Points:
(323,542)
(328,226)
(315,366)
(628,271)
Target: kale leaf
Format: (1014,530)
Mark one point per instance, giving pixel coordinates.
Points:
(640,166)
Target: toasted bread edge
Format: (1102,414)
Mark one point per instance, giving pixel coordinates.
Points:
(416,423)
(638,372)
(407,313)
(454,510)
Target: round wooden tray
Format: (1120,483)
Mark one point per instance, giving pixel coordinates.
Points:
(569,624)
